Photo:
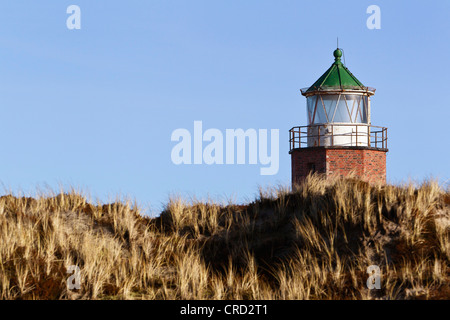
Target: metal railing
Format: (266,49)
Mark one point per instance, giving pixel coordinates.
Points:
(335,135)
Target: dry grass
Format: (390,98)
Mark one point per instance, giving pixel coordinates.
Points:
(313,242)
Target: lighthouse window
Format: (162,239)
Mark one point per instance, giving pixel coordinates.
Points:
(359,114)
(311,105)
(363,107)
(342,113)
(353,105)
(311,167)
(329,103)
(320,116)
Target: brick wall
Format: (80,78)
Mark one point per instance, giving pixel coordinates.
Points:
(368,164)
(301,158)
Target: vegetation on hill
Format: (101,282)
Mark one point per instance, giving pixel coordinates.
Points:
(313,242)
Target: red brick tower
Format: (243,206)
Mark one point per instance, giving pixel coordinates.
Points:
(339,138)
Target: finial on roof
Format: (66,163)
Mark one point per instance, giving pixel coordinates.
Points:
(337,54)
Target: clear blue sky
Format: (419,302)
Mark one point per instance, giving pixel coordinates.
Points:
(95,108)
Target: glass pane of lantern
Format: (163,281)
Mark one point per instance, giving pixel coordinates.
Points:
(352,104)
(342,113)
(329,102)
(320,116)
(311,104)
(358,118)
(363,108)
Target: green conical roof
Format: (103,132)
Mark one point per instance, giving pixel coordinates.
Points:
(337,77)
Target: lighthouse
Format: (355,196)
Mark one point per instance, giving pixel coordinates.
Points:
(339,138)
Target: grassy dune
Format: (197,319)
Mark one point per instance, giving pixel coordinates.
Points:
(313,242)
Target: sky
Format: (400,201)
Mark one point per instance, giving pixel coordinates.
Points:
(94,108)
